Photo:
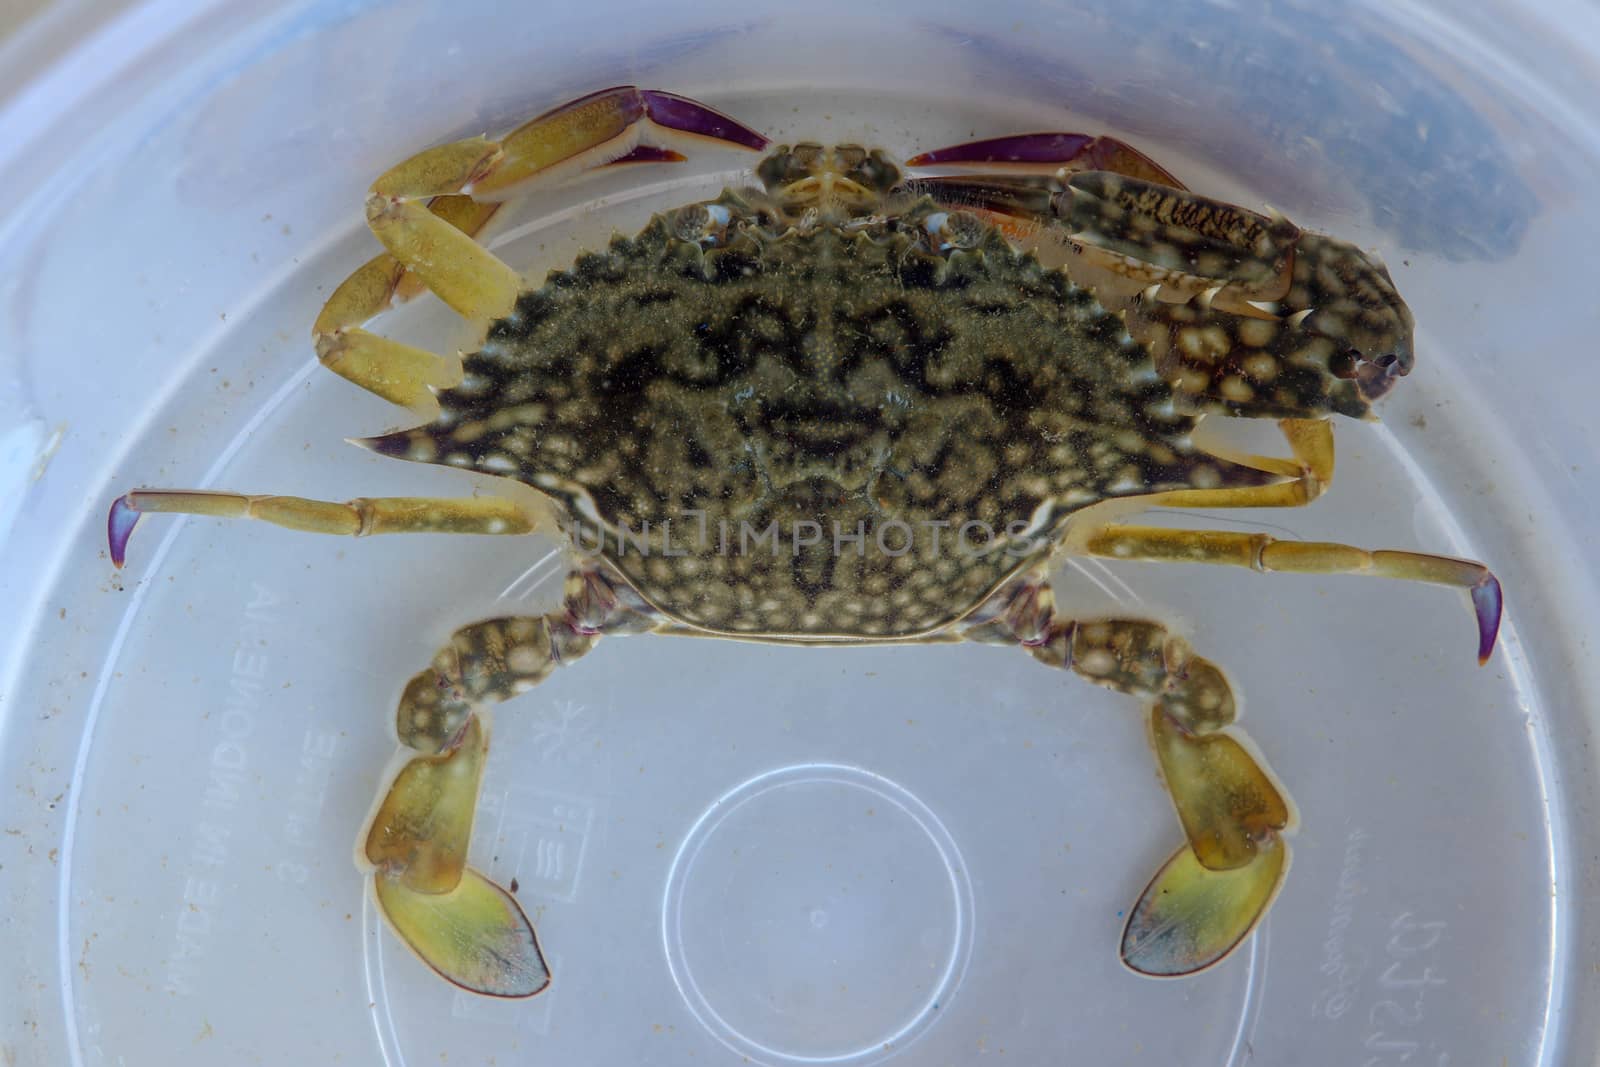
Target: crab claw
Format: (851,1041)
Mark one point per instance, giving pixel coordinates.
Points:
(623,124)
(1073,151)
(676,112)
(1347,295)
(119,527)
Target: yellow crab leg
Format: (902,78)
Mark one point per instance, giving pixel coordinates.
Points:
(1209,897)
(1308,473)
(420,831)
(429,210)
(399,373)
(415,842)
(460,271)
(352,518)
(459,922)
(1226,801)
(416,847)
(1263,552)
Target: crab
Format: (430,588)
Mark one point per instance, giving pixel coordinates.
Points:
(847,405)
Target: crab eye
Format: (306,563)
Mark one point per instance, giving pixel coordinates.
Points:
(1376,378)
(1348,364)
(876,172)
(952,230)
(784,166)
(703,224)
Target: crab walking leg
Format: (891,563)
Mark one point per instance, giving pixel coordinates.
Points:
(1263,552)
(399,373)
(416,840)
(429,210)
(589,132)
(1307,474)
(1209,896)
(352,518)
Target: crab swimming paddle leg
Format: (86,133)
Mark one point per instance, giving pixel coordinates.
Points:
(416,840)
(476,936)
(462,925)
(1208,898)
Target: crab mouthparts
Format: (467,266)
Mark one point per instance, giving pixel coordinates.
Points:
(823,430)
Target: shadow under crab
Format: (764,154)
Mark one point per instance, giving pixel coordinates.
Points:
(845,407)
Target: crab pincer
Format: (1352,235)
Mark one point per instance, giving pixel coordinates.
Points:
(1068,151)
(623,123)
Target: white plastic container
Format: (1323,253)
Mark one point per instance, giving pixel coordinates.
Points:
(765,855)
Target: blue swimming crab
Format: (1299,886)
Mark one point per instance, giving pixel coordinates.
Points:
(843,405)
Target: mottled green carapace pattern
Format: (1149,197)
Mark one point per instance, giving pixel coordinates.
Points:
(813,428)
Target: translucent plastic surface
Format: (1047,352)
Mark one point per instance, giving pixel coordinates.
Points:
(745,854)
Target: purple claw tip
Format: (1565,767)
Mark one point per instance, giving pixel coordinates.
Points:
(119,527)
(1487,602)
(1022,148)
(680,113)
